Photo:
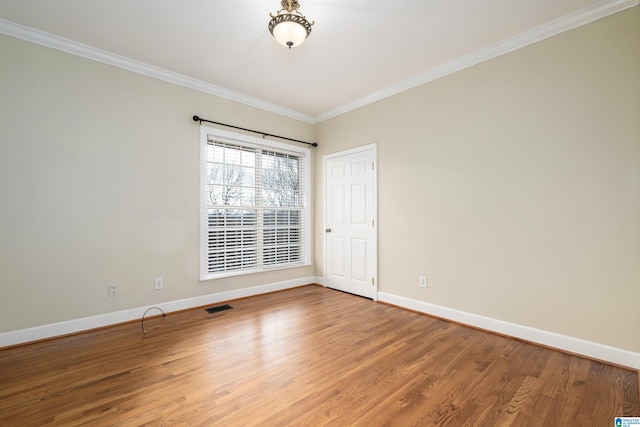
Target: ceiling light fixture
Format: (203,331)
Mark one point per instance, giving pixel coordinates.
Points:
(289,27)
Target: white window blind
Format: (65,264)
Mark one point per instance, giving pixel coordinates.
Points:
(255,212)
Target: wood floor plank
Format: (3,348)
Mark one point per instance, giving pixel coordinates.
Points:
(308,356)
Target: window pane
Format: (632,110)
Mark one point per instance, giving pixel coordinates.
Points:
(280,179)
(232,238)
(282,237)
(231,175)
(254,202)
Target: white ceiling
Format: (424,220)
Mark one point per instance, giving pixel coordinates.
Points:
(358,51)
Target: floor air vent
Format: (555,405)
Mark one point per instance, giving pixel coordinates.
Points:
(212,310)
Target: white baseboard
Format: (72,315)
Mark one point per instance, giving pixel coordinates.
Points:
(86,323)
(549,339)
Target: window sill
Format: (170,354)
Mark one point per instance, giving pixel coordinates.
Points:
(236,273)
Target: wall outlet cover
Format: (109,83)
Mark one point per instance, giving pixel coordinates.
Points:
(423,281)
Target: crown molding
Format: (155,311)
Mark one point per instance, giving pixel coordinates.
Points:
(566,23)
(69,46)
(550,29)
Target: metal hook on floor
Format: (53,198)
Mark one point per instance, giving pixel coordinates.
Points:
(145,313)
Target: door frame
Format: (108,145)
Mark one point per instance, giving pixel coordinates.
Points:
(369,147)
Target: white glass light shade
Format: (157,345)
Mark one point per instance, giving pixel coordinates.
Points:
(289,33)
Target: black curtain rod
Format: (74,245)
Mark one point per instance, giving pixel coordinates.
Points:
(198,119)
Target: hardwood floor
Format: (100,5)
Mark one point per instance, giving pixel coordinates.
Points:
(308,356)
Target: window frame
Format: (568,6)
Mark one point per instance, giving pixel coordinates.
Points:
(251,142)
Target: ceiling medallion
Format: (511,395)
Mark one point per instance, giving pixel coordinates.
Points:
(289,27)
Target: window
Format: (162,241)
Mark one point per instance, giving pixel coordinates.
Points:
(254,204)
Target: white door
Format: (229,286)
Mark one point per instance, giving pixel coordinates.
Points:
(350,221)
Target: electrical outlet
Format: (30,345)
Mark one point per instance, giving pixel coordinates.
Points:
(423,281)
(113,291)
(158,283)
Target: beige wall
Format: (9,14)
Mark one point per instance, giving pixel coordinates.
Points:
(514,185)
(99,177)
